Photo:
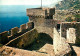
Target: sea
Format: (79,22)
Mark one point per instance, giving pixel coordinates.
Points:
(13,16)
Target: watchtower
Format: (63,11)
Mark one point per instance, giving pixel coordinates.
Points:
(43,19)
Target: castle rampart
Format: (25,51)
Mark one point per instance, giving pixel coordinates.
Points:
(14,31)
(23,40)
(19,37)
(43,21)
(41,12)
(23,27)
(36,12)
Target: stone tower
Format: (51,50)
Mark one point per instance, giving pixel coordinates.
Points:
(43,19)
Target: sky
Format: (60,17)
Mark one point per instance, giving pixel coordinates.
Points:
(28,2)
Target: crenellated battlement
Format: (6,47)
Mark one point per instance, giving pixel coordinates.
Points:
(7,36)
(41,12)
(36,12)
(23,40)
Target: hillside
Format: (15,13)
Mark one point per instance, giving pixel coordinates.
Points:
(68,4)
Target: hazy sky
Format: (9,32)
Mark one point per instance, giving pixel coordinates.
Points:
(27,2)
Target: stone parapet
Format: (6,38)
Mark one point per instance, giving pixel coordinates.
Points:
(14,31)
(24,40)
(66,26)
(6,36)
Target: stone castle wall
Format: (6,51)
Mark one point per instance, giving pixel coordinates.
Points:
(66,25)
(24,40)
(42,24)
(69,33)
(61,47)
(41,12)
(7,36)
(36,12)
(4,37)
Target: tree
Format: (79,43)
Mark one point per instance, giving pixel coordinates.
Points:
(69,19)
(77,17)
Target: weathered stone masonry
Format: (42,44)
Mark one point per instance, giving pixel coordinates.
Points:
(69,33)
(61,47)
(24,40)
(43,19)
(66,25)
(19,37)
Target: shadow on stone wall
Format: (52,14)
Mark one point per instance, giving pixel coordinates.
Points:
(18,34)
(42,39)
(24,39)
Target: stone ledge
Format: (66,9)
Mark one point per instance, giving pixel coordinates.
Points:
(9,51)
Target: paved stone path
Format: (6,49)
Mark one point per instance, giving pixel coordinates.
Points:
(46,50)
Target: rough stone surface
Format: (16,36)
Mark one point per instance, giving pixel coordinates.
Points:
(71,35)
(43,19)
(30,25)
(67,25)
(36,12)
(61,47)
(47,48)
(43,25)
(14,31)
(22,27)
(41,12)
(24,40)
(9,51)
(4,37)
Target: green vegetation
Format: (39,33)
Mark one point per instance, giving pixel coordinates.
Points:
(69,19)
(68,4)
(76,19)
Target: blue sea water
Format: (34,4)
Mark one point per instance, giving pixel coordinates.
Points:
(13,16)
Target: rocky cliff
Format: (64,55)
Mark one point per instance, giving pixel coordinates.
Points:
(68,4)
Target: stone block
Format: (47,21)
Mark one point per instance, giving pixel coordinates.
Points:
(4,37)
(14,31)
(22,27)
(30,25)
(52,11)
